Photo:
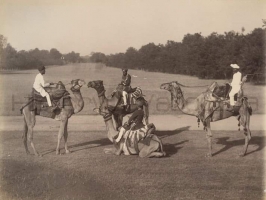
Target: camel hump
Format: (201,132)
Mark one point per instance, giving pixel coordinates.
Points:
(60,85)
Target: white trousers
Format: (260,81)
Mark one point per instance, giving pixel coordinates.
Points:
(44,94)
(235,90)
(125,96)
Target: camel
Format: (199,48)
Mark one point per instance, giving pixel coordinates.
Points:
(115,106)
(211,111)
(74,106)
(149,146)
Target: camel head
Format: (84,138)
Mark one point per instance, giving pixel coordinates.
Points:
(98,86)
(175,90)
(76,85)
(95,84)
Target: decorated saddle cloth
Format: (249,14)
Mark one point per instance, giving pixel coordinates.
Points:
(217,110)
(217,92)
(133,137)
(59,96)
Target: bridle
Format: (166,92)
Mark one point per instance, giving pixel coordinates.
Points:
(176,92)
(75,83)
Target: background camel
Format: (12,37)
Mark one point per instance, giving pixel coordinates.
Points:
(115,106)
(150,146)
(64,114)
(210,111)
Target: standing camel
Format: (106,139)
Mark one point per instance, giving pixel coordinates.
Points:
(115,106)
(148,146)
(210,111)
(73,106)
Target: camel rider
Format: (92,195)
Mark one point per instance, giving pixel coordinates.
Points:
(236,83)
(134,122)
(126,81)
(39,85)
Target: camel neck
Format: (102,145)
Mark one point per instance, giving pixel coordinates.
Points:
(111,132)
(189,108)
(77,102)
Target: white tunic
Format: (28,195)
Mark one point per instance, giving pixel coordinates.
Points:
(236,82)
(39,84)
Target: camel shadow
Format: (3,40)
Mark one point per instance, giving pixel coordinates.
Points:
(95,143)
(256,140)
(85,145)
(170,148)
(162,134)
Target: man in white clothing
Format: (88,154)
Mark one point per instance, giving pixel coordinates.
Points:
(39,85)
(236,83)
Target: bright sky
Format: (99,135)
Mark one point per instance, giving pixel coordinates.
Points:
(111,26)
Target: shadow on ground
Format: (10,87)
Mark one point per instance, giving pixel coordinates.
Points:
(258,141)
(83,145)
(172,149)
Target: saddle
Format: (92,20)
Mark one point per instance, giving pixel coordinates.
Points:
(219,92)
(132,93)
(59,96)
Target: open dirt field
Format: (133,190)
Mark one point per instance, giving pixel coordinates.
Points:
(88,173)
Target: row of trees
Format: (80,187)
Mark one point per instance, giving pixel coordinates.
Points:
(204,57)
(10,58)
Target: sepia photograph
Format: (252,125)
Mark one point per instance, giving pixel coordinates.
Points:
(132,99)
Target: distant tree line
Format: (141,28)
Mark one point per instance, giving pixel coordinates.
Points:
(205,57)
(10,58)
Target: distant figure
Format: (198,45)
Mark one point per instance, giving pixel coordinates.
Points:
(39,85)
(236,83)
(126,81)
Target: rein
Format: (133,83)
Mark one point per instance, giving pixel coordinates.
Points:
(191,86)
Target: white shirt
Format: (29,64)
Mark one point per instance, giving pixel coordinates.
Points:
(236,79)
(39,83)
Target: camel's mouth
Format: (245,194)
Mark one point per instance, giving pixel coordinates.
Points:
(94,84)
(77,84)
(90,84)
(164,87)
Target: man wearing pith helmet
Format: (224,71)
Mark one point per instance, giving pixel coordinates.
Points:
(39,85)
(236,83)
(126,81)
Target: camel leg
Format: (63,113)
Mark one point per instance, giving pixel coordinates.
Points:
(244,120)
(60,134)
(65,137)
(208,137)
(146,113)
(116,121)
(30,121)
(24,136)
(119,121)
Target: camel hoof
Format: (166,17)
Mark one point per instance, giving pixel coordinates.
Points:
(68,151)
(40,155)
(241,155)
(208,155)
(57,152)
(27,152)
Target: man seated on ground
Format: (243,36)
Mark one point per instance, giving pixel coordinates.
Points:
(39,85)
(134,122)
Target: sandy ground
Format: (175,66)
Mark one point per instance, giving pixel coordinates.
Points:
(162,122)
